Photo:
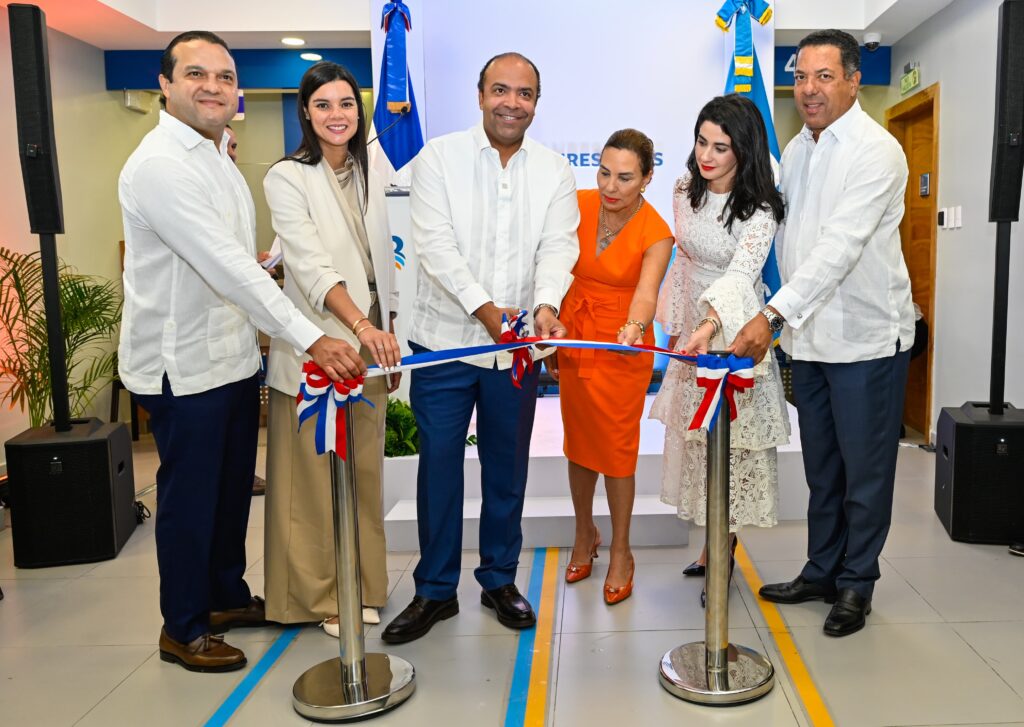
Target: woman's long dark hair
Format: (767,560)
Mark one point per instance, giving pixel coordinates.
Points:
(754,185)
(309,151)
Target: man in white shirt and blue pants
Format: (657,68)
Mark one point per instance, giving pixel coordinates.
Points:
(194,296)
(849,326)
(494,219)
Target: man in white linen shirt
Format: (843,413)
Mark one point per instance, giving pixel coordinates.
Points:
(194,296)
(849,326)
(494,220)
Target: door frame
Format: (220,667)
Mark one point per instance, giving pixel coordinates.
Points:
(894,117)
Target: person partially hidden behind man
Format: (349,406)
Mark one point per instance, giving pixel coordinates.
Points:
(193,298)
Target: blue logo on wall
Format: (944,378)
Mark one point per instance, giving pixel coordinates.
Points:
(593,159)
(399,255)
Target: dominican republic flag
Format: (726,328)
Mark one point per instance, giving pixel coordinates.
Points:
(745,78)
(395,118)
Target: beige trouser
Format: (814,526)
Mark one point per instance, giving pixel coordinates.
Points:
(299,560)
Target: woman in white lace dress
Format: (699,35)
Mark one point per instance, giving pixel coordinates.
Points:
(726,211)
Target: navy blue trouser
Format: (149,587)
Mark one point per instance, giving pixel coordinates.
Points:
(207,448)
(443,398)
(850,416)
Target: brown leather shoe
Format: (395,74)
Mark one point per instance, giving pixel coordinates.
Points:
(208,653)
(259,486)
(252,614)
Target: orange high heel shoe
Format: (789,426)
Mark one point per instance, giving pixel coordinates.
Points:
(577,572)
(618,594)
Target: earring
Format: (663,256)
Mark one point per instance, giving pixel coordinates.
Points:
(307,117)
(643,189)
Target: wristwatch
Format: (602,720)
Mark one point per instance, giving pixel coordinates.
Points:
(775,321)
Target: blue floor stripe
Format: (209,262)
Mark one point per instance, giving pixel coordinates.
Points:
(245,687)
(520,689)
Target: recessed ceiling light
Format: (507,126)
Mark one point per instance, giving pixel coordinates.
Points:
(311,56)
(293,41)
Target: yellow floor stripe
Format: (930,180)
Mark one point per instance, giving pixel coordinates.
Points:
(537,699)
(813,704)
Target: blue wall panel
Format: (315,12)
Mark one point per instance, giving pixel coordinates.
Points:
(259,68)
(875,65)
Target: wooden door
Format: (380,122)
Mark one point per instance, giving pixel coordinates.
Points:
(914,123)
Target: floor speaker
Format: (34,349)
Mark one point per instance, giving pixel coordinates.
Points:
(979,473)
(72,493)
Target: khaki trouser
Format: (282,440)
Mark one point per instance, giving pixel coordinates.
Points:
(299,558)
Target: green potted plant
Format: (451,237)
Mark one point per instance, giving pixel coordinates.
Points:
(90,315)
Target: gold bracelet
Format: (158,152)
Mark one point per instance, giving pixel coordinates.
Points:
(638,324)
(715,327)
(357,321)
(366,327)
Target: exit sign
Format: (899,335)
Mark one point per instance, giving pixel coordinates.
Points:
(910,81)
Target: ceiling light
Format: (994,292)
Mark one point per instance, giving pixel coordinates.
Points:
(293,41)
(311,56)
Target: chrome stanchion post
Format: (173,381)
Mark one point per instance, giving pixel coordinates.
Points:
(714,671)
(356,685)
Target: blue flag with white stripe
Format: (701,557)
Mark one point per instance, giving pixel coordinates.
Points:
(395,116)
(745,78)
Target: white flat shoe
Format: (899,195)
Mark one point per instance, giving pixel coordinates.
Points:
(371,616)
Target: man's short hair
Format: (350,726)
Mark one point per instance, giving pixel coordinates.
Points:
(849,50)
(168,60)
(509,54)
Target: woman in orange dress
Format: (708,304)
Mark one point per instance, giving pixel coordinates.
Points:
(624,250)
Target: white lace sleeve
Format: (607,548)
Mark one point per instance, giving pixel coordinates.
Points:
(736,296)
(670,313)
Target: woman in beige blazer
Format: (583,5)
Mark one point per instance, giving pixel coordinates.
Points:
(328,212)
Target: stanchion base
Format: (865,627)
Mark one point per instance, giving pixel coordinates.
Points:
(684,674)
(318,694)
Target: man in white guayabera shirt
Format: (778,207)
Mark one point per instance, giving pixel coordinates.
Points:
(847,319)
(494,220)
(193,298)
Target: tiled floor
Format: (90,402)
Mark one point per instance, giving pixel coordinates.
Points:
(943,645)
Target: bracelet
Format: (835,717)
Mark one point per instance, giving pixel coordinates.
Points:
(357,321)
(366,327)
(638,324)
(554,311)
(715,327)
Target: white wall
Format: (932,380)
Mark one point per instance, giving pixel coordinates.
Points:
(590,86)
(94,134)
(957,49)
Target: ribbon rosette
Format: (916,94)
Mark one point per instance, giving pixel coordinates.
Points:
(321,398)
(719,376)
(522,358)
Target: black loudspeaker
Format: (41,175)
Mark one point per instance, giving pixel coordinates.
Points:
(979,474)
(72,493)
(34,109)
(1008,145)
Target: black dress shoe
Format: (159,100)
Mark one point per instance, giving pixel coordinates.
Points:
(847,616)
(1015,549)
(694,569)
(798,590)
(512,609)
(417,619)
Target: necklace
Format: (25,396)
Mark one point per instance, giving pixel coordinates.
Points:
(606,239)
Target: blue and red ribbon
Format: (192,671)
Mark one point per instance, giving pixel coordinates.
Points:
(318,397)
(720,378)
(321,398)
